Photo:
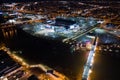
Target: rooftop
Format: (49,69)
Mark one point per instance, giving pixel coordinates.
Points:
(7,65)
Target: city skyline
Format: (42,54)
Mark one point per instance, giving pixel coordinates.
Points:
(60,40)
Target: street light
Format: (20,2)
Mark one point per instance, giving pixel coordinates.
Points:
(90,71)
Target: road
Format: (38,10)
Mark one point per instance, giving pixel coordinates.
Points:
(79,34)
(89,63)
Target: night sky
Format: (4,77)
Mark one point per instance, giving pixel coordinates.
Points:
(17,1)
(10,1)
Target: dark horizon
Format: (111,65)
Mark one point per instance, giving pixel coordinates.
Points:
(12,1)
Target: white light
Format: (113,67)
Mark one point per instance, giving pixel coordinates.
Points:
(17,79)
(110,50)
(5,79)
(72,27)
(90,64)
(90,71)
(92,61)
(12,21)
(100,22)
(90,36)
(1,77)
(2,61)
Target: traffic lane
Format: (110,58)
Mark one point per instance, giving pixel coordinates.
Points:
(80,63)
(105,67)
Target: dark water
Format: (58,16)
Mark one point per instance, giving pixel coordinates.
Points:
(52,53)
(106,65)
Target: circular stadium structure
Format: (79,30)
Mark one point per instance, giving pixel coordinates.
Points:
(59,28)
(56,33)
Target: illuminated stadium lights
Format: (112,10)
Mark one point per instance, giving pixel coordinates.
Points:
(100,31)
(12,21)
(91,21)
(100,21)
(45,31)
(60,27)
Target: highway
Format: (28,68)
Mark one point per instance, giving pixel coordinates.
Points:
(88,65)
(79,34)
